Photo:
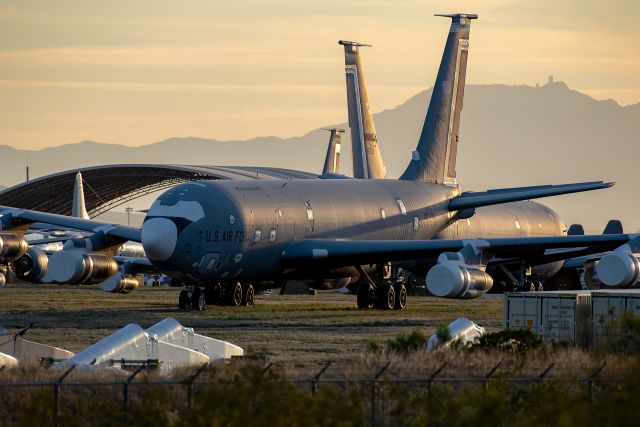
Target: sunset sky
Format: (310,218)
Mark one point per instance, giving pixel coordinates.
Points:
(136,72)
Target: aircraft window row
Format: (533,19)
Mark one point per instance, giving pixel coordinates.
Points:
(403,209)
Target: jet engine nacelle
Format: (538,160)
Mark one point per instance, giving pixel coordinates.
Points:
(618,270)
(451,280)
(32,266)
(77,266)
(12,247)
(119,283)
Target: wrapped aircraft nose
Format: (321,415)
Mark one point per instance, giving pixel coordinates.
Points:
(159,238)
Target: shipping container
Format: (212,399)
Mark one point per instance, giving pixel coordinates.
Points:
(608,307)
(554,316)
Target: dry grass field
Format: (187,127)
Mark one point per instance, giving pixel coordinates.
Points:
(300,329)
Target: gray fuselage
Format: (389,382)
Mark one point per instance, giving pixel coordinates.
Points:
(237,230)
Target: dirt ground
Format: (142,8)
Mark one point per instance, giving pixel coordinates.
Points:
(300,328)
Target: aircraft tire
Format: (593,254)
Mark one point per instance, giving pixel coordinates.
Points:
(387,297)
(364,296)
(234,294)
(212,294)
(401,296)
(197,299)
(247,295)
(183,299)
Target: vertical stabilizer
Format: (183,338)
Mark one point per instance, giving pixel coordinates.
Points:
(78,208)
(367,161)
(332,161)
(434,159)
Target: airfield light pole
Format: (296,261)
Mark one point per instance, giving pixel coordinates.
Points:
(128,210)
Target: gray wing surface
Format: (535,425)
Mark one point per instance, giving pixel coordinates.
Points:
(11,217)
(536,250)
(469,200)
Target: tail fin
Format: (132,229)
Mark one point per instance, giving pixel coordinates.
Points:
(614,226)
(78,208)
(332,161)
(575,230)
(367,161)
(434,159)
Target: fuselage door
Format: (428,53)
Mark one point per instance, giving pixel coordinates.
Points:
(310,218)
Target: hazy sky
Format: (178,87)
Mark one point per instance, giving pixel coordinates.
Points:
(135,72)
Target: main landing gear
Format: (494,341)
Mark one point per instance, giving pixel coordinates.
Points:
(387,294)
(223,294)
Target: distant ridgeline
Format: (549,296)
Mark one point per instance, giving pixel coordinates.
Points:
(515,135)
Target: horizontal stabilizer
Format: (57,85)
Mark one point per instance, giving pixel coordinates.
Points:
(471,199)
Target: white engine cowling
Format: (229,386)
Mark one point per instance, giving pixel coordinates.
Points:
(618,270)
(12,247)
(119,283)
(32,266)
(76,266)
(451,280)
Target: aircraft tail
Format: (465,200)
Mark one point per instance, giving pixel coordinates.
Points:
(78,207)
(367,161)
(434,159)
(332,161)
(614,226)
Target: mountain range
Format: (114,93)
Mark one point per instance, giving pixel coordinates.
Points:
(510,136)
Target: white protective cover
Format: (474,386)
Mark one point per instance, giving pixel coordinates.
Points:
(8,361)
(171,331)
(29,351)
(461,329)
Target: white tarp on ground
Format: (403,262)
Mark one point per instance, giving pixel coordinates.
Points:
(29,351)
(462,330)
(172,344)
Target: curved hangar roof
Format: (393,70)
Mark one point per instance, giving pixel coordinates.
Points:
(108,186)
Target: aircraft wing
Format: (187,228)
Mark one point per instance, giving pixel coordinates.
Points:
(536,250)
(472,199)
(10,217)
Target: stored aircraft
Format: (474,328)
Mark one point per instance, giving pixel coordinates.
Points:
(222,238)
(517,219)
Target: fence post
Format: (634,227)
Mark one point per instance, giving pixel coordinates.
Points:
(316,377)
(592,378)
(545,372)
(266,368)
(490,374)
(429,382)
(56,394)
(125,392)
(190,382)
(374,383)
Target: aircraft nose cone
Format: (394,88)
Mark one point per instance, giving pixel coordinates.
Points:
(159,238)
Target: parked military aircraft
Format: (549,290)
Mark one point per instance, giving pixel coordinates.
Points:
(46,241)
(332,160)
(225,237)
(518,219)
